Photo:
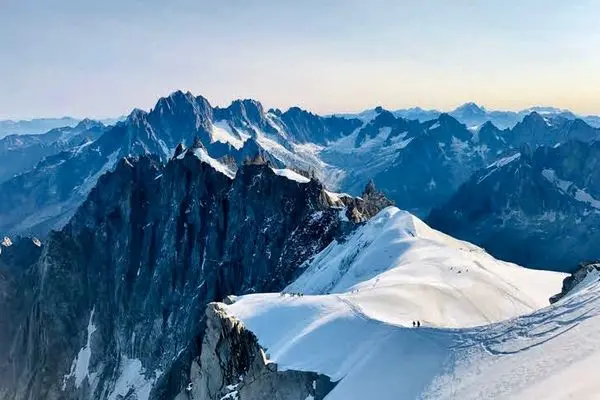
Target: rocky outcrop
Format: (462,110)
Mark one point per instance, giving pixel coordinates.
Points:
(118,295)
(232,365)
(571,281)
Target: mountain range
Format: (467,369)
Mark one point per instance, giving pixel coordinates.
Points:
(343,152)
(193,252)
(474,115)
(39,126)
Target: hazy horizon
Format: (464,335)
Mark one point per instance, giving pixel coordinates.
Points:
(227,103)
(85,59)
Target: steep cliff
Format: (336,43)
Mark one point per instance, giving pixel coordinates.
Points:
(234,366)
(118,295)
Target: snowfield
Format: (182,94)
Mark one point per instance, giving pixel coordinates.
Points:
(396,259)
(487,328)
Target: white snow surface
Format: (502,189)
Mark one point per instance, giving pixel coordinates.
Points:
(204,157)
(354,321)
(493,167)
(291,175)
(505,161)
(570,189)
(133,377)
(80,368)
(222,132)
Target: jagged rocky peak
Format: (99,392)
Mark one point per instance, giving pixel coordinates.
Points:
(383,123)
(369,188)
(251,150)
(249,109)
(384,117)
(489,126)
(373,200)
(180,149)
(305,126)
(256,159)
(136,117)
(246,115)
(174,100)
(88,123)
(446,127)
(361,209)
(491,136)
(533,119)
(447,120)
(183,112)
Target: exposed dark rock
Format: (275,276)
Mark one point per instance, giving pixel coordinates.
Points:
(233,365)
(122,288)
(576,278)
(307,127)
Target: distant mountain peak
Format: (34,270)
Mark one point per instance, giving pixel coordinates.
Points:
(249,109)
(470,109)
(488,125)
(448,119)
(136,116)
(88,123)
(534,118)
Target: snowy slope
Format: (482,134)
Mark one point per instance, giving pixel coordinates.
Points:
(354,322)
(291,175)
(397,259)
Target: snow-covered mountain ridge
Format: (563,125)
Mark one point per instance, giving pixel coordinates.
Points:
(549,353)
(353,328)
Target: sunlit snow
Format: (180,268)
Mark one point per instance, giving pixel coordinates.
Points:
(360,297)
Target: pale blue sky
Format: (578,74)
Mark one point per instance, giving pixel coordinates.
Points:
(102,58)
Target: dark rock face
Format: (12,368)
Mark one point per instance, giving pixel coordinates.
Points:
(367,205)
(537,209)
(539,131)
(117,298)
(245,114)
(307,127)
(571,281)
(233,365)
(16,285)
